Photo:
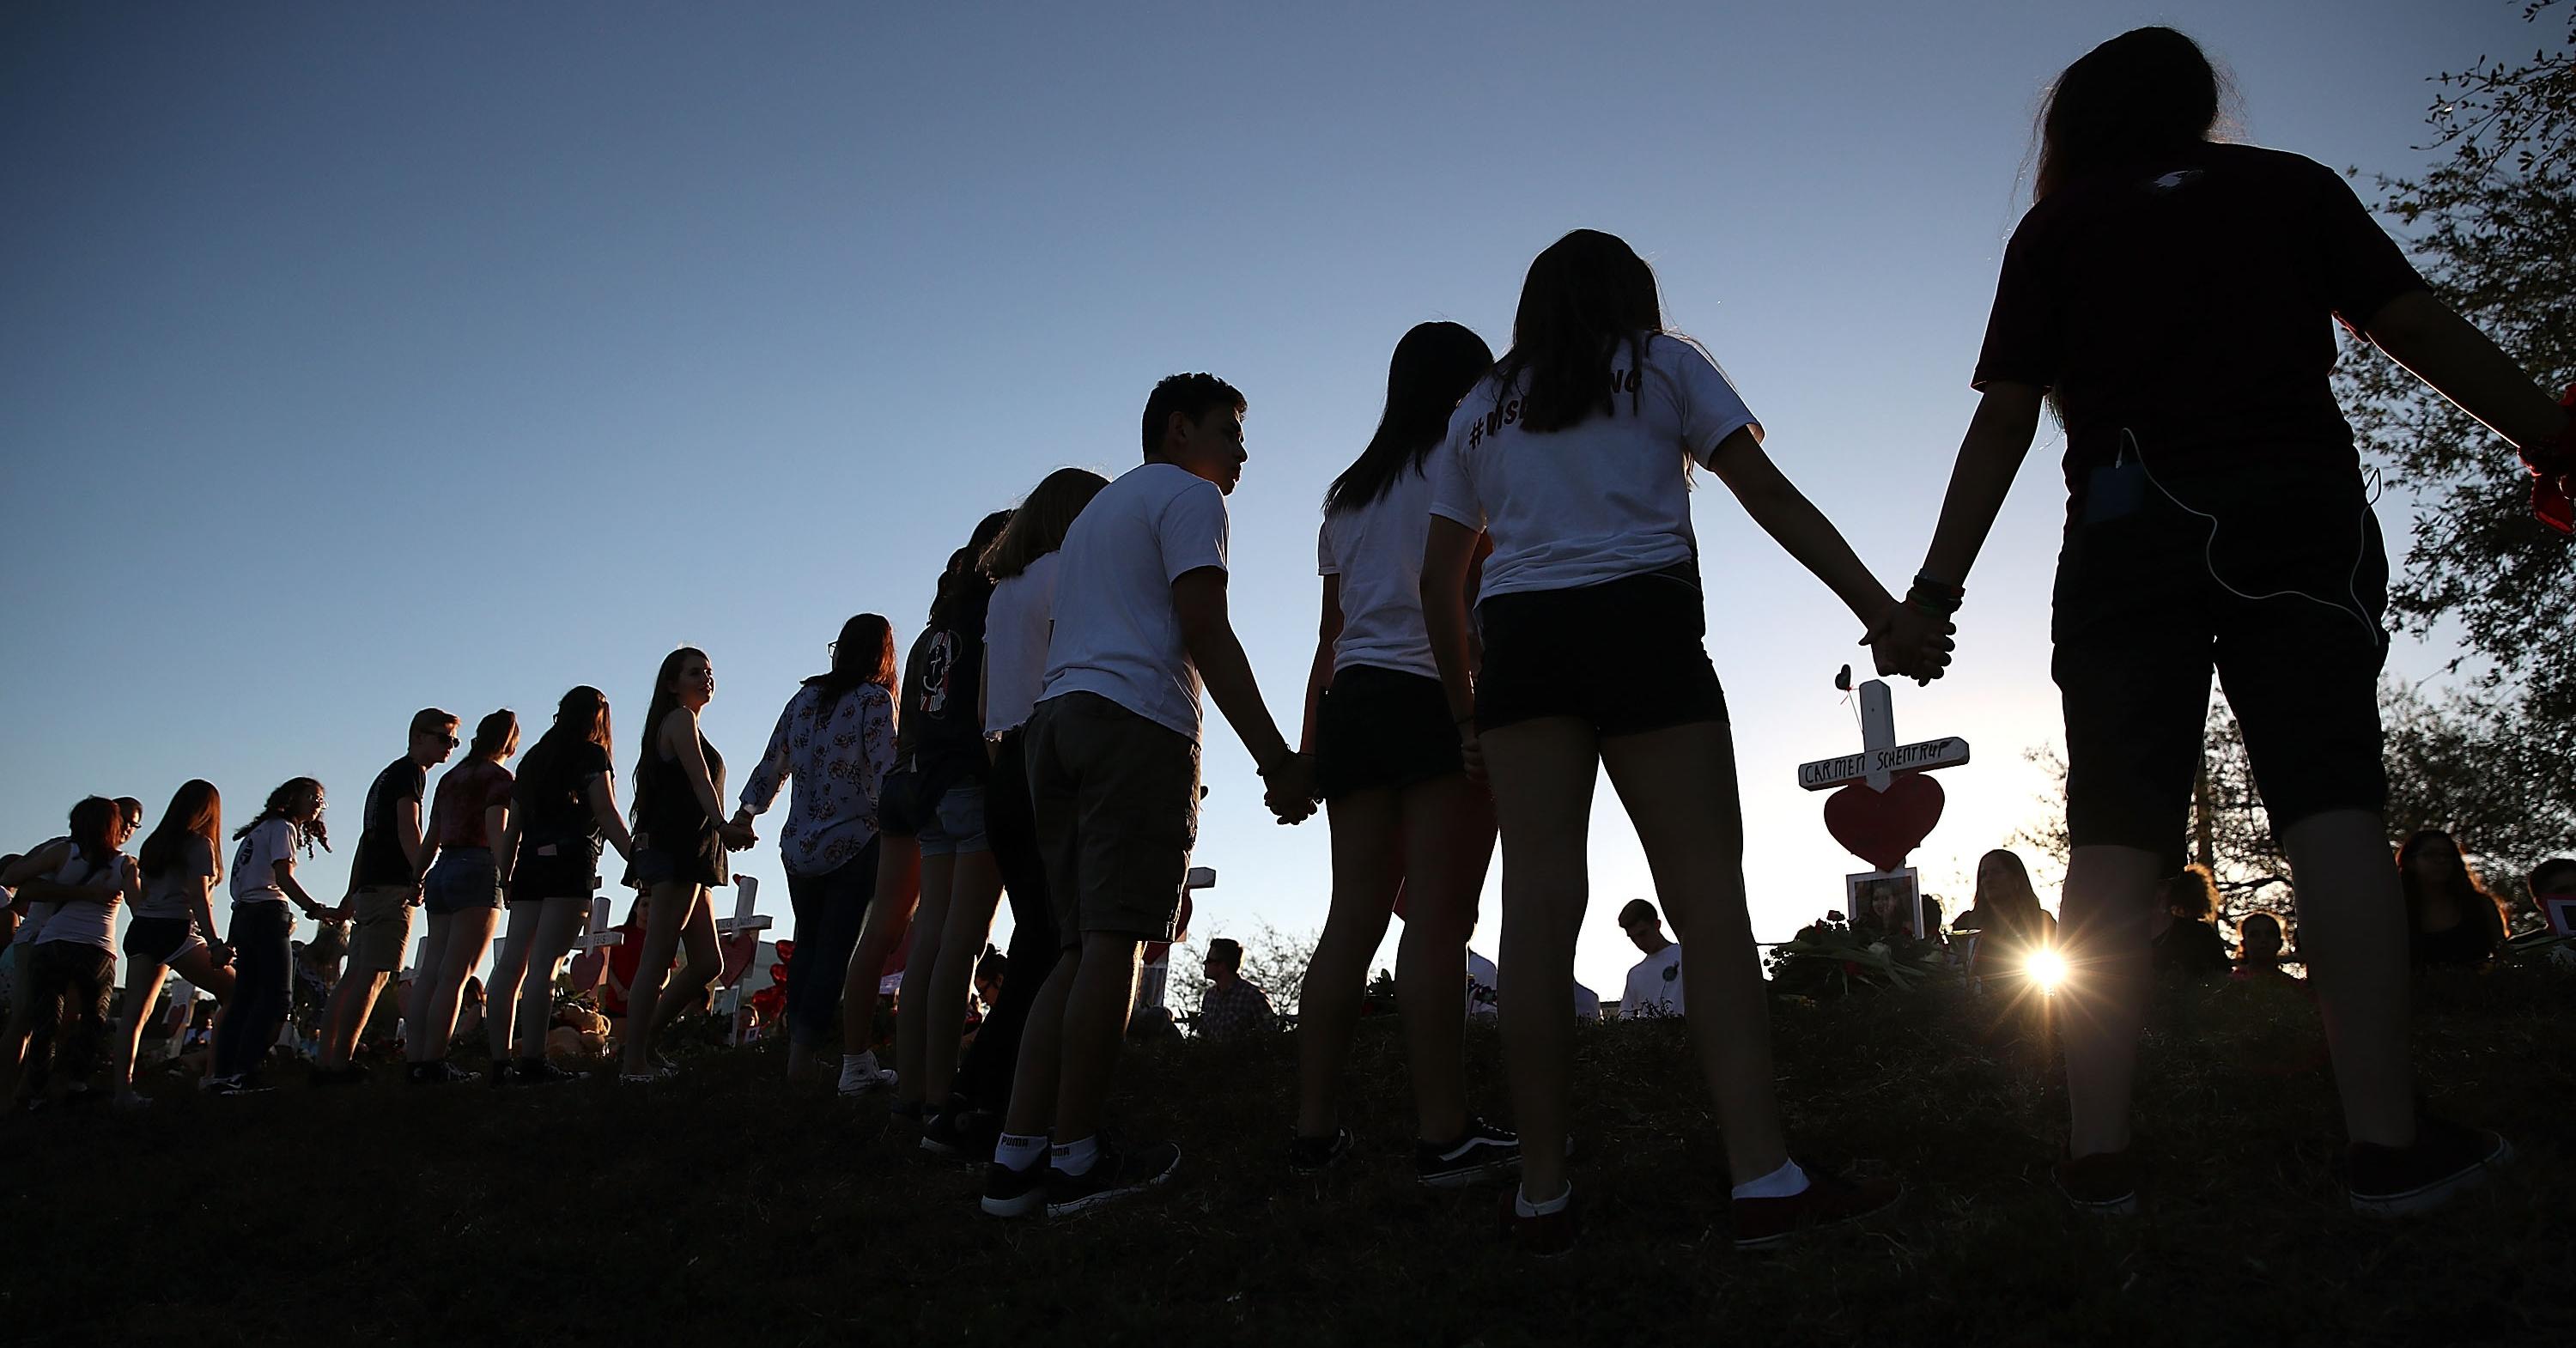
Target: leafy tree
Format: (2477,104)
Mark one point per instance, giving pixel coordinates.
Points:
(1273,960)
(2493,228)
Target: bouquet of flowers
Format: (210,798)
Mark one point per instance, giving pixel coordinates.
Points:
(1830,959)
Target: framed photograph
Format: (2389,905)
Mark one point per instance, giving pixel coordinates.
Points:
(2561,913)
(1884,901)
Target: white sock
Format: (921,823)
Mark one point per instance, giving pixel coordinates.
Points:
(1019,1151)
(1521,1202)
(1075,1158)
(1786,1182)
(859,1062)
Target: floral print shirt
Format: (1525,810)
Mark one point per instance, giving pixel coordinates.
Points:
(838,749)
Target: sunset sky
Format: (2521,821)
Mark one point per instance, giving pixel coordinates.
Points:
(367,358)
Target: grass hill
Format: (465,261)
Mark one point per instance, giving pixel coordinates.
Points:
(732,1207)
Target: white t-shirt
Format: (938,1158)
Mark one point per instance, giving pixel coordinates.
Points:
(1377,551)
(1655,985)
(173,893)
(1485,991)
(1015,644)
(1116,632)
(33,920)
(1599,500)
(92,924)
(255,862)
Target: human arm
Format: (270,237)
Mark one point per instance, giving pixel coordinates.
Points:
(1199,602)
(1998,438)
(502,827)
(1448,552)
(1795,524)
(1319,674)
(771,772)
(32,879)
(680,740)
(410,835)
(2436,345)
(602,795)
(284,871)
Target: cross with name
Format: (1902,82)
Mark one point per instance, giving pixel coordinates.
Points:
(1885,806)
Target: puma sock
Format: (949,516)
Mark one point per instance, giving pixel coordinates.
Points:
(1786,1182)
(1017,1151)
(1075,1158)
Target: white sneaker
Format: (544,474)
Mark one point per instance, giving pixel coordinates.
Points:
(861,1075)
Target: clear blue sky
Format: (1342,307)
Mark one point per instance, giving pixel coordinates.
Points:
(361,358)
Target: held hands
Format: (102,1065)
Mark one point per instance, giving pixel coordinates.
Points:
(1290,792)
(736,836)
(1911,643)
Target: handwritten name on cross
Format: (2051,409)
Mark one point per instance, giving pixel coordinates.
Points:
(1881,758)
(1885,806)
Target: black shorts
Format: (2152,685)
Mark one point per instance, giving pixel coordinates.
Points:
(571,873)
(158,940)
(2149,601)
(1623,656)
(1382,728)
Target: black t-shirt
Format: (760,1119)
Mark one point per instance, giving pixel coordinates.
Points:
(552,795)
(380,859)
(2187,298)
(941,726)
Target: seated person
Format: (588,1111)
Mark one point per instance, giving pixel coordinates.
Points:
(2188,948)
(2261,962)
(2450,917)
(1232,1005)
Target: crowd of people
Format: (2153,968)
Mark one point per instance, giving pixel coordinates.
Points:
(1513,523)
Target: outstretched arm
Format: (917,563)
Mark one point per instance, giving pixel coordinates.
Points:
(1990,455)
(1793,521)
(2448,352)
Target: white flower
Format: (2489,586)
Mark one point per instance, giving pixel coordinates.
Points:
(1878,948)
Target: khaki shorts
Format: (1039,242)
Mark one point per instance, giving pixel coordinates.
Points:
(1117,804)
(382,930)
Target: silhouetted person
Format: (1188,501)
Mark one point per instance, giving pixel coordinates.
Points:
(1233,1006)
(1655,982)
(384,885)
(2451,918)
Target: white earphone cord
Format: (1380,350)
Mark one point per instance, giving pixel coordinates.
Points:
(2209,547)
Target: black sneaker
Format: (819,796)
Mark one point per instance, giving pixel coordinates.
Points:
(2104,1184)
(949,1132)
(1014,1193)
(1546,1235)
(1482,1152)
(1828,1201)
(537,1072)
(2445,1161)
(234,1085)
(1315,1155)
(1114,1174)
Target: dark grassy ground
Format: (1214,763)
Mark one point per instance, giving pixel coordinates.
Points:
(731,1207)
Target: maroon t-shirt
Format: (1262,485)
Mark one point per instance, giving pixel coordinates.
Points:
(2188,299)
(463,796)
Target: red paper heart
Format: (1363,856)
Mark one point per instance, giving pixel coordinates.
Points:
(1881,827)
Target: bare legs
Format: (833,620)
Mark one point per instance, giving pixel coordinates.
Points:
(345,1018)
(975,886)
(913,1009)
(678,912)
(509,970)
(447,958)
(558,921)
(880,934)
(1433,841)
(1543,773)
(143,996)
(2102,936)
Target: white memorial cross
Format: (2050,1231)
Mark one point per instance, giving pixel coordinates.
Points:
(746,898)
(597,935)
(1881,758)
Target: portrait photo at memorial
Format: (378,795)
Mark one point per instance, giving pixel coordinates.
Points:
(1469,674)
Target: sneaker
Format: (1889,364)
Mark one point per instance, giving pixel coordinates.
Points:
(1315,1155)
(1114,1174)
(233,1085)
(939,1134)
(1013,1193)
(864,1076)
(1482,1152)
(1547,1235)
(440,1073)
(2105,1183)
(537,1072)
(964,1133)
(1827,1201)
(2445,1161)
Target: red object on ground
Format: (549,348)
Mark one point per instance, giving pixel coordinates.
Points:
(1881,827)
(2551,486)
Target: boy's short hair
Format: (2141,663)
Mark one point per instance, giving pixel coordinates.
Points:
(1638,910)
(1191,395)
(432,721)
(1226,951)
(2552,876)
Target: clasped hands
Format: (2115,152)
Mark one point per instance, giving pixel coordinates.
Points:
(1289,788)
(1911,642)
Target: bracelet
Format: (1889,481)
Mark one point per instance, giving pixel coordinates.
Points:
(1939,604)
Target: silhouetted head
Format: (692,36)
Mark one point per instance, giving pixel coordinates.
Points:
(1195,422)
(196,808)
(298,801)
(1587,298)
(1224,959)
(962,582)
(863,654)
(2144,92)
(2261,935)
(2430,867)
(1433,368)
(496,736)
(94,824)
(2191,894)
(1645,927)
(1038,527)
(2005,899)
(433,736)
(2554,878)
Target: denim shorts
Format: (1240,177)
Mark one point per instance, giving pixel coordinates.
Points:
(462,878)
(951,824)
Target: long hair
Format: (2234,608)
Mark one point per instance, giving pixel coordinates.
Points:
(663,704)
(863,655)
(196,808)
(282,804)
(1587,298)
(2146,91)
(2009,905)
(2467,891)
(2191,893)
(1038,527)
(93,829)
(1434,366)
(580,716)
(495,735)
(961,585)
